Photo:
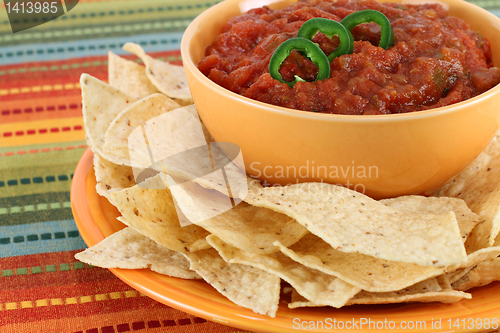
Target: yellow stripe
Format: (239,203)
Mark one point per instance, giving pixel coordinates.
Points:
(25,90)
(10,306)
(26,304)
(70,300)
(56,301)
(39,138)
(41,302)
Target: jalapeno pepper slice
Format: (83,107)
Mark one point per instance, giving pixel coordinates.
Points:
(311,50)
(369,15)
(330,28)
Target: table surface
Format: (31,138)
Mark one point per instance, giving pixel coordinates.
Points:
(42,287)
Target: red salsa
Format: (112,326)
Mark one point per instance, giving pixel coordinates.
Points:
(437,60)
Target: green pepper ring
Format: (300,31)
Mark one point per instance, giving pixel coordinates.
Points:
(312,51)
(387,38)
(330,28)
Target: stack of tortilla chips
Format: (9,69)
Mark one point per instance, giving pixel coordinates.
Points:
(333,246)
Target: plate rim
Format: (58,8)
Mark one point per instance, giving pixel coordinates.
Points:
(230,314)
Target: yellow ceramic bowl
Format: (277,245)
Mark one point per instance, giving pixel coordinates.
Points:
(382,156)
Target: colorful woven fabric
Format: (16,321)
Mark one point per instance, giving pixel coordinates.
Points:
(42,287)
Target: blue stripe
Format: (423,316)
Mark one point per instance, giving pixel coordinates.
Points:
(50,237)
(88,47)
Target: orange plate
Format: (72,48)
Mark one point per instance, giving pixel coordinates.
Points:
(96,219)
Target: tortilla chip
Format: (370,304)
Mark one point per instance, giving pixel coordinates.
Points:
(116,139)
(458,271)
(423,292)
(456,275)
(243,226)
(484,273)
(210,167)
(169,79)
(101,104)
(478,185)
(183,102)
(129,77)
(130,250)
(310,283)
(246,286)
(152,213)
(155,134)
(198,245)
(479,237)
(466,219)
(352,222)
(111,177)
(456,185)
(476,257)
(363,271)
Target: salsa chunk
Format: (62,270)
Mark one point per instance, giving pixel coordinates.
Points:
(436,60)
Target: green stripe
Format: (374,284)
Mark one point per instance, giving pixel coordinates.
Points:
(27,148)
(44,269)
(35,173)
(35,199)
(120,13)
(97,31)
(43,180)
(37,160)
(35,208)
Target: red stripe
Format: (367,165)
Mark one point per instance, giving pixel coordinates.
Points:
(40,259)
(9,79)
(40,108)
(31,287)
(77,310)
(43,131)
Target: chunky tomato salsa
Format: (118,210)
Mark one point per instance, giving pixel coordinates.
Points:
(436,60)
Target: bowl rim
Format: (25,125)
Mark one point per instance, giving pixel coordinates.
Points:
(191,30)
